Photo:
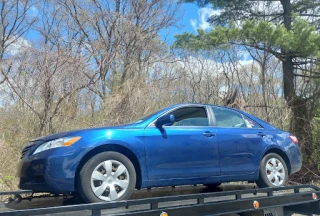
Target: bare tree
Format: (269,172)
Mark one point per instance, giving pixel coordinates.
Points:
(15,21)
(120,37)
(46,77)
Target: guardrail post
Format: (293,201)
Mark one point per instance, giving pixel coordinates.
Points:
(96,212)
(153,206)
(200,200)
(238,196)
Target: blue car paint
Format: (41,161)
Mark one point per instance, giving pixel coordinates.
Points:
(168,157)
(279,140)
(238,150)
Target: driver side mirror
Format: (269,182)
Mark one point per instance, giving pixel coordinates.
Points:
(166,120)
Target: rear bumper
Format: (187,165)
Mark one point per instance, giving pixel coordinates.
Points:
(295,158)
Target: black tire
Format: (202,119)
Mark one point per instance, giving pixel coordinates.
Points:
(264,181)
(213,185)
(84,181)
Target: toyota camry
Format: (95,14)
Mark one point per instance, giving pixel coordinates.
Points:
(179,145)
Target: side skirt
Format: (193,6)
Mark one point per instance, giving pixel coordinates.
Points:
(203,180)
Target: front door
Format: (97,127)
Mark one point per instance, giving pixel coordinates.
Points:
(186,149)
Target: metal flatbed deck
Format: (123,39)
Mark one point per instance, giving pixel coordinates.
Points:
(189,200)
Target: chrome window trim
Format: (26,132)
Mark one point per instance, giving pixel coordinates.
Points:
(206,107)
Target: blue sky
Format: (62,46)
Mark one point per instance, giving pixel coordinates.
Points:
(190,13)
(192,19)
(192,16)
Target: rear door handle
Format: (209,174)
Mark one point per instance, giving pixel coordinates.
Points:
(208,134)
(261,134)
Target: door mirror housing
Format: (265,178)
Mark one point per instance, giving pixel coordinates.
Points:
(166,120)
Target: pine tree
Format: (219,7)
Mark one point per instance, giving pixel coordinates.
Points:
(289,30)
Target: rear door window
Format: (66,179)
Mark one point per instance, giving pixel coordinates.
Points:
(232,119)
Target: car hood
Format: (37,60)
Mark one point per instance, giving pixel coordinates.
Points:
(67,133)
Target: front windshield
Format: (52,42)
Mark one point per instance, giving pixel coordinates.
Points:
(141,119)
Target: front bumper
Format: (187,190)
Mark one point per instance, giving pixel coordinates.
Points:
(49,171)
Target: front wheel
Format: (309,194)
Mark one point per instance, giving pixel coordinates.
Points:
(273,171)
(108,176)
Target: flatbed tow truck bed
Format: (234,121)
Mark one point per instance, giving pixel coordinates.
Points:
(193,201)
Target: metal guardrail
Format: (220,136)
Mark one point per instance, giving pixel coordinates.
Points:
(200,206)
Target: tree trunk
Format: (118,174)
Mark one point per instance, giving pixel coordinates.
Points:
(300,123)
(288,78)
(263,84)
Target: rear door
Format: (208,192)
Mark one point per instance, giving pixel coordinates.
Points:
(240,141)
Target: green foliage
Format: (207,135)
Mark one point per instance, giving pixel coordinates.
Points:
(290,32)
(242,9)
(232,9)
(9,178)
(302,41)
(316,139)
(257,28)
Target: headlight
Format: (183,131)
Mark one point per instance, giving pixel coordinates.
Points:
(65,141)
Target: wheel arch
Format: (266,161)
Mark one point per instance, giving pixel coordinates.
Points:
(111,147)
(282,154)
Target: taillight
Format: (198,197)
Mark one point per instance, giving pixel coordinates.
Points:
(293,138)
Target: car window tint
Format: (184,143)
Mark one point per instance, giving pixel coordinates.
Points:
(250,123)
(190,116)
(228,118)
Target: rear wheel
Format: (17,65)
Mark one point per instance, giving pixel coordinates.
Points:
(273,171)
(108,176)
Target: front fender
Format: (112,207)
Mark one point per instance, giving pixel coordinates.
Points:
(129,139)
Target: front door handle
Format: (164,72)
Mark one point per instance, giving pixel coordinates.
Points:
(261,134)
(208,134)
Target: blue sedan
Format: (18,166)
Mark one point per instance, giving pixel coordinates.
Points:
(179,145)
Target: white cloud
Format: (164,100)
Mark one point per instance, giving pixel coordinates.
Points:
(197,65)
(33,11)
(17,46)
(244,54)
(193,23)
(243,63)
(202,21)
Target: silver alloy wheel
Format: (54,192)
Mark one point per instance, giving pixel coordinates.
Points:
(275,172)
(109,180)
